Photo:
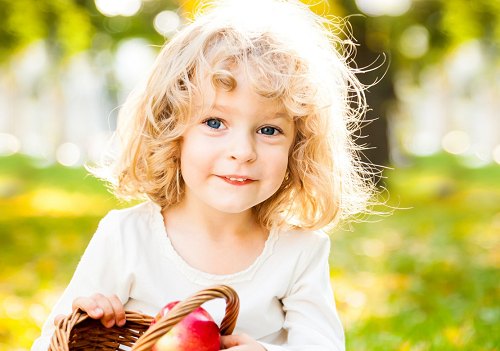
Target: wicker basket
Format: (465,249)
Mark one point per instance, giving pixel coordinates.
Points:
(80,332)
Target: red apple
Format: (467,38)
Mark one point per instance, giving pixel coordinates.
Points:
(196,332)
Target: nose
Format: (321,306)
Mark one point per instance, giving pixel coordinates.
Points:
(242,148)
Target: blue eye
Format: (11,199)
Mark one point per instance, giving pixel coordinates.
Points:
(269,130)
(214,123)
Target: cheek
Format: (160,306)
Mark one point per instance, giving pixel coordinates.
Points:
(194,162)
(193,157)
(277,165)
(194,145)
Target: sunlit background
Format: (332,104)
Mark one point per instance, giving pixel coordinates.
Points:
(425,278)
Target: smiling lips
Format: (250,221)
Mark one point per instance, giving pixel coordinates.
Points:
(236,179)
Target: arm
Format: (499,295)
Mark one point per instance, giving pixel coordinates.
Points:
(311,318)
(98,272)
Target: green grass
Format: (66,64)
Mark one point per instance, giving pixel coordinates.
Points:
(425,278)
(429,273)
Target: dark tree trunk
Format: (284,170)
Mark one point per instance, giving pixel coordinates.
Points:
(374,133)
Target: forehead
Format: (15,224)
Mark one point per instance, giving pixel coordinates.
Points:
(243,97)
(272,113)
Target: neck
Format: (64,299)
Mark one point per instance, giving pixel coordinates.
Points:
(202,220)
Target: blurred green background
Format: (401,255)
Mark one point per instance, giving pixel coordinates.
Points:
(425,278)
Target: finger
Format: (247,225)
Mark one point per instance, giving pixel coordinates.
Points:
(58,318)
(108,318)
(118,310)
(88,305)
(97,307)
(240,342)
(228,341)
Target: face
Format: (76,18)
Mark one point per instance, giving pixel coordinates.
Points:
(237,156)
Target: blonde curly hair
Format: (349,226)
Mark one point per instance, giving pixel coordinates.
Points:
(298,61)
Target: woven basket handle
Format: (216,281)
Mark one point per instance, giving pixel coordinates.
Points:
(183,308)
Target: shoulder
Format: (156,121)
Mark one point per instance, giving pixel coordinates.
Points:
(304,240)
(307,253)
(127,229)
(302,247)
(131,224)
(133,217)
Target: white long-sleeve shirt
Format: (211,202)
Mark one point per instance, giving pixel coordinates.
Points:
(286,301)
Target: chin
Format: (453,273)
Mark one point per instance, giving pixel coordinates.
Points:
(232,208)
(231,205)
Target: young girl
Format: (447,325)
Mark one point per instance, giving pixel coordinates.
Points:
(239,140)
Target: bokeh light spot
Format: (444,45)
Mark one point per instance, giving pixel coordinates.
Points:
(9,144)
(14,307)
(356,299)
(68,154)
(112,8)
(424,143)
(38,313)
(496,154)
(341,293)
(456,142)
(134,57)
(365,279)
(384,7)
(373,247)
(166,23)
(414,41)
(117,24)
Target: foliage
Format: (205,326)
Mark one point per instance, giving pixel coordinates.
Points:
(66,23)
(71,26)
(449,23)
(424,278)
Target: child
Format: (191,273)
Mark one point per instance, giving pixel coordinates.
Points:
(239,140)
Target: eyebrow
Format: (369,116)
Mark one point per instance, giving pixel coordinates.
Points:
(229,109)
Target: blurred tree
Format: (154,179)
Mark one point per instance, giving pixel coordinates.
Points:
(411,41)
(69,26)
(422,36)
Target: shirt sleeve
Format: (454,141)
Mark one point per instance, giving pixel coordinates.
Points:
(311,317)
(97,272)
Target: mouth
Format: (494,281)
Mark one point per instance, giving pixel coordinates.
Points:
(234,177)
(237,179)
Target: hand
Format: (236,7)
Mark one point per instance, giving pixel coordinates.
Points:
(107,308)
(240,342)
